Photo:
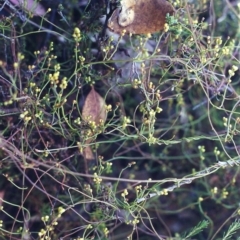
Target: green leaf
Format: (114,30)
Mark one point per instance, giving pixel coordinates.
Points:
(196,230)
(232,229)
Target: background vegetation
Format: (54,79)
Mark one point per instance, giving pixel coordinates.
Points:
(107,136)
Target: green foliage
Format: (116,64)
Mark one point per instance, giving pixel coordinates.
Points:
(197,229)
(118,137)
(232,230)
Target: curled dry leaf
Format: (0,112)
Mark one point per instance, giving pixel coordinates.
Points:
(140,16)
(87,152)
(2,193)
(93,111)
(94,108)
(31,6)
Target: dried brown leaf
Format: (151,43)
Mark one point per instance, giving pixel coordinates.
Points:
(30,5)
(88,153)
(2,193)
(140,17)
(94,108)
